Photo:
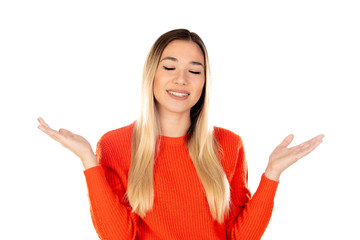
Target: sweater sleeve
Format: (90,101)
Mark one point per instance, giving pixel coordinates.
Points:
(111,215)
(249,217)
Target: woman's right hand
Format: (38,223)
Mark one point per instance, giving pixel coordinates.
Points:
(75,143)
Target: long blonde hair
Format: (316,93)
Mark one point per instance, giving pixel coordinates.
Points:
(202,145)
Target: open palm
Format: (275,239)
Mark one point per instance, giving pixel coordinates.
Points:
(283,157)
(75,143)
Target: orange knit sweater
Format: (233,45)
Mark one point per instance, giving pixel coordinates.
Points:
(180,209)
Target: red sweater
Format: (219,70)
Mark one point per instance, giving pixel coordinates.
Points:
(180,209)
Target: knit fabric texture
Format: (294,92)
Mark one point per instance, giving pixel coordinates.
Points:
(180,209)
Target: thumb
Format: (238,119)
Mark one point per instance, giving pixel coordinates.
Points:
(286,142)
(65,132)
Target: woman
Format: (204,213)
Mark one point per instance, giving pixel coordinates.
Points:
(169,175)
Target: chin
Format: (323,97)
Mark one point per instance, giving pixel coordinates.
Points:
(179,110)
(175,109)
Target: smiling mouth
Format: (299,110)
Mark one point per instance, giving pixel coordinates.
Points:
(178,94)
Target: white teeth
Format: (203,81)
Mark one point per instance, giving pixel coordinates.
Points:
(178,94)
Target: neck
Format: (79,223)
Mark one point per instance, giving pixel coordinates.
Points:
(174,124)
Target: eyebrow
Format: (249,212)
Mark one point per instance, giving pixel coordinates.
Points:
(176,60)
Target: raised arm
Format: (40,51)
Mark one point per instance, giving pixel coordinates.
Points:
(250,217)
(112,216)
(283,157)
(75,143)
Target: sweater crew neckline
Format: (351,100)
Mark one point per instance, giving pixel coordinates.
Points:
(173,140)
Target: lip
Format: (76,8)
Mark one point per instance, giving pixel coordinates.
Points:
(178,91)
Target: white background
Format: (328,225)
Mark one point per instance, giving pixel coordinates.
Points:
(278,67)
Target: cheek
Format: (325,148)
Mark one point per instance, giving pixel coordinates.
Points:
(156,89)
(159,84)
(199,87)
(156,85)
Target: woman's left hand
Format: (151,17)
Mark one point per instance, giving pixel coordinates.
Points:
(283,157)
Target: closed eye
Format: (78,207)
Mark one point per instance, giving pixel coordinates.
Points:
(168,69)
(194,72)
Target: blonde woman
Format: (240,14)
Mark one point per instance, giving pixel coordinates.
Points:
(169,175)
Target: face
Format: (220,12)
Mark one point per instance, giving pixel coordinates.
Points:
(179,78)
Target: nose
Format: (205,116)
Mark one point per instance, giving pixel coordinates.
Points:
(181,78)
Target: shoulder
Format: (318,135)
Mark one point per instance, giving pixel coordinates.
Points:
(120,135)
(114,148)
(115,142)
(231,150)
(227,138)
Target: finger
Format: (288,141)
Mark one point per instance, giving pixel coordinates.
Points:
(312,141)
(286,142)
(48,130)
(44,126)
(65,132)
(320,136)
(308,146)
(51,133)
(43,123)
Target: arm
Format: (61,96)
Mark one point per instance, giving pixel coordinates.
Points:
(110,212)
(250,217)
(111,216)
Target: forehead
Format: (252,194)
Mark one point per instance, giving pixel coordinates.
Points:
(184,50)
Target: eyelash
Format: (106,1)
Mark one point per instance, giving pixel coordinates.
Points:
(166,68)
(170,69)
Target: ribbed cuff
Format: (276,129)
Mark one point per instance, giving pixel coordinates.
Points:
(267,188)
(90,172)
(95,178)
